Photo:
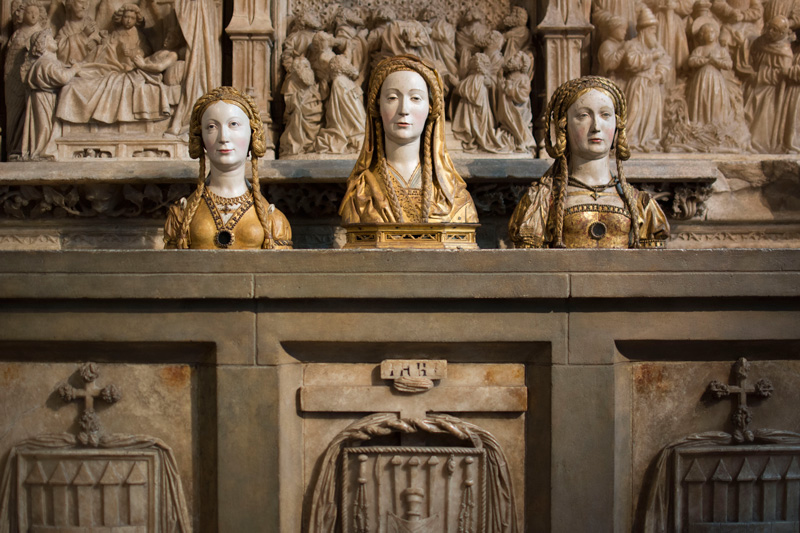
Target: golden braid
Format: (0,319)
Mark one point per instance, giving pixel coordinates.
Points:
(563,98)
(191,208)
(394,201)
(427,172)
(261,207)
(630,202)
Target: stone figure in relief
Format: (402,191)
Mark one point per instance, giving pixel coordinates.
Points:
(344,111)
(225,211)
(789,112)
(303,109)
(517,35)
(770,58)
(441,49)
(701,15)
(474,27)
(514,101)
(788,8)
(79,34)
(604,10)
(27,20)
(473,121)
(320,54)
(351,37)
(579,202)
(306,26)
(741,23)
(671,31)
(46,75)
(491,46)
(404,37)
(648,67)
(166,60)
(714,94)
(404,173)
(110,88)
(381,19)
(126,40)
(612,51)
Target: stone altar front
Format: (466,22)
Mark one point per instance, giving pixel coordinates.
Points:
(613,350)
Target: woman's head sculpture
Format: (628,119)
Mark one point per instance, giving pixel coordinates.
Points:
(373,153)
(557,144)
(256,149)
(404,174)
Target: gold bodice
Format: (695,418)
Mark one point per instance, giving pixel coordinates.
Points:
(248,234)
(596,226)
(242,231)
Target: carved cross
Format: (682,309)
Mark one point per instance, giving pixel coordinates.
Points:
(89,421)
(742,415)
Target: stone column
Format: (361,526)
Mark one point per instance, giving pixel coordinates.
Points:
(251,32)
(562,31)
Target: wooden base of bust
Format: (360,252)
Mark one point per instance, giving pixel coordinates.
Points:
(424,236)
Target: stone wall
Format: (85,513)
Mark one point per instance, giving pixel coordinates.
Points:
(221,356)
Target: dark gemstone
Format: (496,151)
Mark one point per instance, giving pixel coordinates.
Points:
(224,238)
(597,230)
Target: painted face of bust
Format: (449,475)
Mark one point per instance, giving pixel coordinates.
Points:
(404,105)
(226,136)
(591,125)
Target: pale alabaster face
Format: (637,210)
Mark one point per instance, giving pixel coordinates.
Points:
(404,105)
(591,125)
(226,136)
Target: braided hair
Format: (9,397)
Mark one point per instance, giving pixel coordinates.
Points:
(258,147)
(556,144)
(436,98)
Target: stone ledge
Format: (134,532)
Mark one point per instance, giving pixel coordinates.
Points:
(644,170)
(341,274)
(396,261)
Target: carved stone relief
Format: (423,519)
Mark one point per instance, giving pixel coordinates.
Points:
(486,73)
(421,489)
(408,468)
(113,79)
(92,481)
(681,201)
(725,69)
(716,481)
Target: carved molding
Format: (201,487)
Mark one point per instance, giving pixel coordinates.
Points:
(681,201)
